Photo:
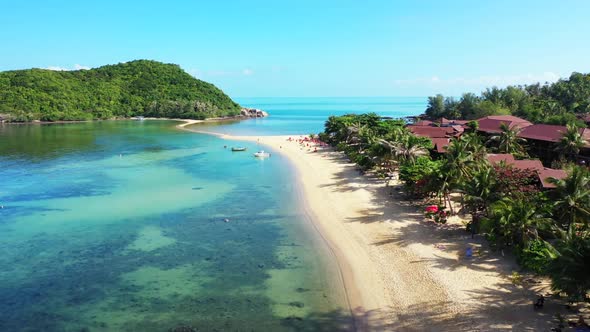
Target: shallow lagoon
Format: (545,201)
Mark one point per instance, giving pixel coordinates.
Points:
(119,225)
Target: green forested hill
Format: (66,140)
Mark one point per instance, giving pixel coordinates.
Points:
(562,102)
(141,87)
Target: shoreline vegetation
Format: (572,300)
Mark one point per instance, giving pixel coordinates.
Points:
(188,121)
(399,271)
(565,102)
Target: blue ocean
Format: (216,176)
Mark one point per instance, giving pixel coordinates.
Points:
(304,116)
(139,226)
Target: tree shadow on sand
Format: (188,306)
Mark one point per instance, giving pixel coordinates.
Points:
(431,316)
(509,306)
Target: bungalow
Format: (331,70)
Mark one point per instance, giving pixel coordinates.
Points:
(440,136)
(491,124)
(550,133)
(439,131)
(543,173)
(543,137)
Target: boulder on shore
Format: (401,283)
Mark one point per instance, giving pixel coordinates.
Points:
(253,113)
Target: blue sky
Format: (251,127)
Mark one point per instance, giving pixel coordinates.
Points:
(310,48)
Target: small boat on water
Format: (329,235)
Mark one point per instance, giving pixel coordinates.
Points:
(238,148)
(261,154)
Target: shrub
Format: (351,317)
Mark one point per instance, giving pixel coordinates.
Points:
(535,256)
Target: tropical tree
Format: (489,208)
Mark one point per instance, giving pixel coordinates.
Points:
(570,270)
(436,106)
(507,141)
(407,148)
(571,142)
(572,198)
(480,191)
(517,221)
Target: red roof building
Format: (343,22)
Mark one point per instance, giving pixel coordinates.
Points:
(547,173)
(500,157)
(550,133)
(423,123)
(491,124)
(440,144)
(535,164)
(440,136)
(543,173)
(435,132)
(543,132)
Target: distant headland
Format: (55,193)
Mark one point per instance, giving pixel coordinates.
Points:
(132,89)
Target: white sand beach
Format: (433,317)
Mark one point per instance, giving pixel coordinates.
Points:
(401,272)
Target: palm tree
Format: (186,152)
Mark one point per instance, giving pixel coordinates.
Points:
(480,190)
(507,141)
(571,141)
(572,204)
(460,158)
(518,221)
(406,148)
(569,270)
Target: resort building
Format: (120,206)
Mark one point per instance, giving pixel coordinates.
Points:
(491,124)
(543,173)
(542,139)
(439,131)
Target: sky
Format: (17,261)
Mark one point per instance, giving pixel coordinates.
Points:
(310,48)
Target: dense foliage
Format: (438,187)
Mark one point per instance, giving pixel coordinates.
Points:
(136,88)
(549,231)
(556,103)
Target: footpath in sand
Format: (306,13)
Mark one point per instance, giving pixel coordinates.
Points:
(400,272)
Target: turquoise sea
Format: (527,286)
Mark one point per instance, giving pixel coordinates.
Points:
(307,115)
(139,226)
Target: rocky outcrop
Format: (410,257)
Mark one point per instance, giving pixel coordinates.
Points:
(253,113)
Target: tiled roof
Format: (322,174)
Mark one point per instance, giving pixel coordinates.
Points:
(543,173)
(423,123)
(543,132)
(440,144)
(510,161)
(496,158)
(458,128)
(528,164)
(433,132)
(550,133)
(546,173)
(491,124)
(442,122)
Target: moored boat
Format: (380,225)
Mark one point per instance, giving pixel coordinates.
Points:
(238,148)
(261,154)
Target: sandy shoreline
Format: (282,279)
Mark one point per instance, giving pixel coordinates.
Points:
(401,273)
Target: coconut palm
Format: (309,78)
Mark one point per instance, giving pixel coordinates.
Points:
(517,221)
(572,204)
(569,270)
(507,141)
(406,148)
(480,190)
(459,159)
(571,142)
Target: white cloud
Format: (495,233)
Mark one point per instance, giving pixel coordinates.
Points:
(247,72)
(56,68)
(76,67)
